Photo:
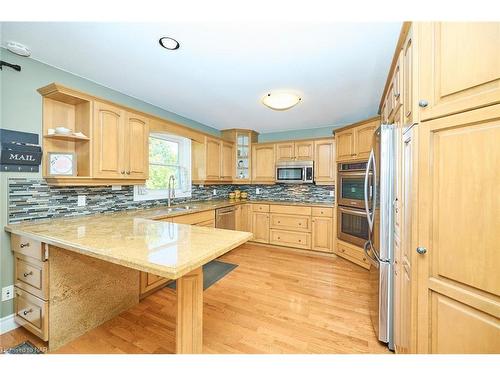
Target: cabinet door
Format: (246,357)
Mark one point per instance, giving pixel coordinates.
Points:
(285,151)
(227,160)
(246,220)
(304,150)
(408,98)
(260,227)
(263,163)
(459,276)
(324,161)
(322,237)
(136,151)
(149,282)
(213,159)
(396,85)
(364,137)
(459,66)
(345,145)
(108,138)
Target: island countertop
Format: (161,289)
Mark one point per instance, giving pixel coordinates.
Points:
(132,239)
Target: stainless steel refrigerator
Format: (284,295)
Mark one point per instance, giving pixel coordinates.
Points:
(379,199)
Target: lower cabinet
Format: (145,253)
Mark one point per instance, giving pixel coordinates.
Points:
(301,227)
(353,253)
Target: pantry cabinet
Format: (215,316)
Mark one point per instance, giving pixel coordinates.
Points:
(263,167)
(459,67)
(355,142)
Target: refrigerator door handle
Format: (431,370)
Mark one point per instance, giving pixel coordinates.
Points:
(372,260)
(367,204)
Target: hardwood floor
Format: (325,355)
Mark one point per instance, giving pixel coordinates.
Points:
(275,301)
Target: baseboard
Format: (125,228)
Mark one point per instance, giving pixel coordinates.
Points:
(7,324)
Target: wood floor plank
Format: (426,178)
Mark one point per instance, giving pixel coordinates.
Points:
(275,301)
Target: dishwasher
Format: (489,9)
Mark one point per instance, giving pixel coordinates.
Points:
(225,218)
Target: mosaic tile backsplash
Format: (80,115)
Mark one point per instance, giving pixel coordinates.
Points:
(32,199)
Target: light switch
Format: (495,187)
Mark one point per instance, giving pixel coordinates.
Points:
(257,191)
(332,193)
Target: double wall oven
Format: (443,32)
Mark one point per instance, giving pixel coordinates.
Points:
(352,222)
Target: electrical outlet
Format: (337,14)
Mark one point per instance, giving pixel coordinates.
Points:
(257,191)
(215,192)
(7,293)
(82,200)
(332,193)
(116,187)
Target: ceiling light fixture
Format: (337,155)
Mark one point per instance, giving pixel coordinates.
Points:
(169,43)
(281,100)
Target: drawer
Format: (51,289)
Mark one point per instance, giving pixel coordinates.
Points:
(322,211)
(32,276)
(291,210)
(208,223)
(27,246)
(291,222)
(195,218)
(292,239)
(352,253)
(32,313)
(260,207)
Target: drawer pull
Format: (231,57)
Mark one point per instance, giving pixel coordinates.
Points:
(279,222)
(23,245)
(300,223)
(26,274)
(26,312)
(300,240)
(342,250)
(279,238)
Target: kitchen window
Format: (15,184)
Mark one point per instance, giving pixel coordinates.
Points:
(168,155)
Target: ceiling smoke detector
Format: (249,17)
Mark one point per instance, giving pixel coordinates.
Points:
(18,49)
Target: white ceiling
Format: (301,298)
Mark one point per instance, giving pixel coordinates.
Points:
(221,70)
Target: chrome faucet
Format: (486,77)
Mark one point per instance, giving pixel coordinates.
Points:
(171,190)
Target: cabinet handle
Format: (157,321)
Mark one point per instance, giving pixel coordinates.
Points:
(128,172)
(122,172)
(27,244)
(26,274)
(279,238)
(342,250)
(353,154)
(26,312)
(421,250)
(300,223)
(423,103)
(279,222)
(300,240)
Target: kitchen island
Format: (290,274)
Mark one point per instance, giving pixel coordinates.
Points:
(87,269)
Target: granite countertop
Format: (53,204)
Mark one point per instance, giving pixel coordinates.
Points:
(135,238)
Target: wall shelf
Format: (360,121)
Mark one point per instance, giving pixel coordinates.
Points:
(68,137)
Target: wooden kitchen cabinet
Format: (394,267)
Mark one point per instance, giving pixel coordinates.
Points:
(213,158)
(408,82)
(263,167)
(459,67)
(324,161)
(245,221)
(285,151)
(109,123)
(355,142)
(260,226)
(322,237)
(121,141)
(227,161)
(304,150)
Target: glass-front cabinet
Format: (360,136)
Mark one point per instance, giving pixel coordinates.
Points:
(243,140)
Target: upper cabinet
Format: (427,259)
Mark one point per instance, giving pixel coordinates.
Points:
(120,143)
(263,167)
(355,142)
(460,67)
(289,151)
(324,161)
(212,161)
(241,154)
(112,147)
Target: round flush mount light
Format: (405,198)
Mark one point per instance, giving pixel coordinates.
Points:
(281,100)
(169,43)
(18,49)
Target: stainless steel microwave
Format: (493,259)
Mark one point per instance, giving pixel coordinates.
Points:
(295,172)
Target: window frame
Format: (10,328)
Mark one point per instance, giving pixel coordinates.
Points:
(142,193)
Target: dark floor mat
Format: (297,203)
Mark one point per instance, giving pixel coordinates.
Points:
(24,348)
(212,272)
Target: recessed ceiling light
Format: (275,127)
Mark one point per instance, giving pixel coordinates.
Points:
(169,43)
(18,49)
(281,100)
